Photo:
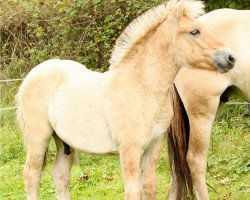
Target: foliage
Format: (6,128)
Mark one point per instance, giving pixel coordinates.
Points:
(235,4)
(34,31)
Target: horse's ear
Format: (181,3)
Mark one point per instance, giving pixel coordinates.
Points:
(189,8)
(193,8)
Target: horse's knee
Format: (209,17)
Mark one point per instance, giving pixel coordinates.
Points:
(60,174)
(130,160)
(197,165)
(149,189)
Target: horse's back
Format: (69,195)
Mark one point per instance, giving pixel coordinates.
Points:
(44,79)
(225,15)
(48,73)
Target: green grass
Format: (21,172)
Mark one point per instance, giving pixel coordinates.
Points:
(228,159)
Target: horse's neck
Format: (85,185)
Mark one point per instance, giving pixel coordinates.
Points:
(153,67)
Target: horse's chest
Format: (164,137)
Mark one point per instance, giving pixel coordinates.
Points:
(162,119)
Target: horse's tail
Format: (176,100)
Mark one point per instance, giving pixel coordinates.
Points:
(19,110)
(178,137)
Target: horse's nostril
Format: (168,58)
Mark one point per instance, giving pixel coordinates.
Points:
(231,58)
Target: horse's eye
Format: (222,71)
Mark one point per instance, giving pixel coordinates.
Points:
(195,32)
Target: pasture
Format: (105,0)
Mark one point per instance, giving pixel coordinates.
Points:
(98,177)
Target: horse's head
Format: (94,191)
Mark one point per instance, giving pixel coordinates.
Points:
(173,33)
(201,49)
(193,45)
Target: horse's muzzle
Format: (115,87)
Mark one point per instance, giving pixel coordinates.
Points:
(224,60)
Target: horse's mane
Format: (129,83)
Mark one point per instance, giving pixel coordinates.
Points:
(138,28)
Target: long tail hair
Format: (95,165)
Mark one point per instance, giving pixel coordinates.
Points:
(178,137)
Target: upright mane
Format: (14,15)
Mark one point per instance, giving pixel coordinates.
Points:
(138,28)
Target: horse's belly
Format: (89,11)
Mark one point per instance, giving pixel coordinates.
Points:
(91,135)
(76,114)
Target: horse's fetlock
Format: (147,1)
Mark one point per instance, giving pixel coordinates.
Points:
(133,192)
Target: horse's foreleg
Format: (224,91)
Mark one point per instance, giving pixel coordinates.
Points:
(62,169)
(149,164)
(130,158)
(200,131)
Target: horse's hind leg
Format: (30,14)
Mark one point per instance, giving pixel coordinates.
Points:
(36,136)
(200,131)
(62,168)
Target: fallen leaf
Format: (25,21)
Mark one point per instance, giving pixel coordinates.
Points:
(109,178)
(226,197)
(84,176)
(225,181)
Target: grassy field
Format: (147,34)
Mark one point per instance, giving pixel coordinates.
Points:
(96,177)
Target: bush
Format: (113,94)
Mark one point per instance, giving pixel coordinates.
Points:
(33,31)
(85,31)
(235,4)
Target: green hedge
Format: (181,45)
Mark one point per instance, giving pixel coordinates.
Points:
(82,30)
(235,4)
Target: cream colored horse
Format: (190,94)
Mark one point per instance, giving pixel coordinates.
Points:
(125,110)
(205,91)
